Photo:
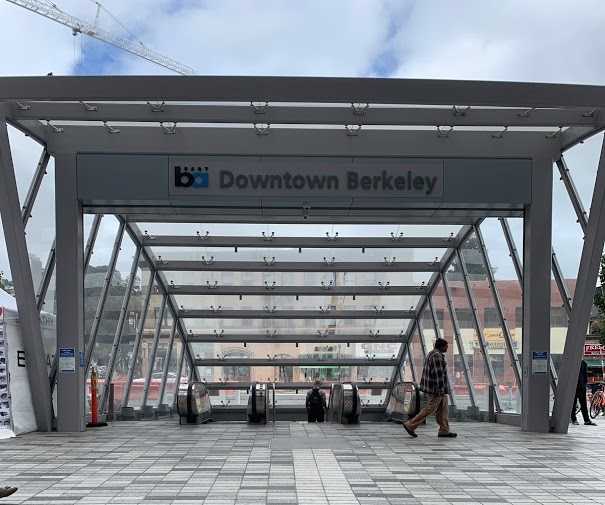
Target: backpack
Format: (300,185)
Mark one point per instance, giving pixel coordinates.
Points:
(315,400)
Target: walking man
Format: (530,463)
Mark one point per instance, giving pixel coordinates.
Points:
(581,396)
(435,384)
(316,404)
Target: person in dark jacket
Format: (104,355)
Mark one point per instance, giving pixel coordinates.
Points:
(581,396)
(435,384)
(316,404)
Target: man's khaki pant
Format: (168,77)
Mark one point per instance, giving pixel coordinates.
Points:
(437,405)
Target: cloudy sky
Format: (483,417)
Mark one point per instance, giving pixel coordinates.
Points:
(541,40)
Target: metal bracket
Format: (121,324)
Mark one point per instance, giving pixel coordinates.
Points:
(352,130)
(202,237)
(555,134)
(330,261)
(208,261)
(324,333)
(359,109)
(324,309)
(269,286)
(110,129)
(390,262)
(168,129)
(270,310)
(23,106)
(269,262)
(327,286)
(157,107)
(378,309)
(331,237)
(219,333)
(211,286)
(374,333)
(218,308)
(262,129)
(396,237)
(259,107)
(444,132)
(384,286)
(54,128)
(526,113)
(268,238)
(89,107)
(500,134)
(460,111)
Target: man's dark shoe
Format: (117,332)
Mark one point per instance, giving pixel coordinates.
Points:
(590,423)
(449,434)
(411,432)
(576,423)
(7,491)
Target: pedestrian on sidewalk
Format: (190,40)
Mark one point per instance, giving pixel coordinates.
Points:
(434,383)
(581,397)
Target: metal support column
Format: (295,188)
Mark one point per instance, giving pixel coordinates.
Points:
(90,344)
(537,252)
(458,337)
(582,303)
(49,268)
(154,350)
(16,246)
(167,361)
(561,285)
(70,295)
(137,340)
(34,187)
(505,330)
(119,329)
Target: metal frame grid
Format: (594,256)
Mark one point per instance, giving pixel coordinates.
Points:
(53,109)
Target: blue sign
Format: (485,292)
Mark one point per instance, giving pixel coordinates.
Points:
(67,359)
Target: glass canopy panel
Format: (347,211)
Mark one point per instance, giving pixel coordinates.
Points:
(453,357)
(296,326)
(428,328)
(260,303)
(469,338)
(492,326)
(297,278)
(142,362)
(297,230)
(132,324)
(328,374)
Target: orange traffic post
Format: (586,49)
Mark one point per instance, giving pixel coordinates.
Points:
(94,401)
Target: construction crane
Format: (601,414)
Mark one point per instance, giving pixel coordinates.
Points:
(51,11)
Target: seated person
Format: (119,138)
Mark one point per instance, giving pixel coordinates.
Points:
(316,404)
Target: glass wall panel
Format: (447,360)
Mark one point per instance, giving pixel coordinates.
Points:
(416,356)
(97,270)
(491,326)
(428,328)
(161,354)
(25,153)
(40,232)
(143,358)
(405,373)
(171,379)
(453,357)
(118,288)
(134,315)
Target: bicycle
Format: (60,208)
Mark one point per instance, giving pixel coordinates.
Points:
(597,402)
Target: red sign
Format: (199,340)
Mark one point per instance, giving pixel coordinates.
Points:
(594,350)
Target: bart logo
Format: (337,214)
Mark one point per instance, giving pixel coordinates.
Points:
(191,177)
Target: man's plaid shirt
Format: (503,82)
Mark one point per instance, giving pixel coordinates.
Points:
(434,376)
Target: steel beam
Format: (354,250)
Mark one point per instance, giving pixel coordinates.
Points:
(479,330)
(156,341)
(297,338)
(496,296)
(119,329)
(167,361)
(458,338)
(572,191)
(299,362)
(269,290)
(137,340)
(90,345)
(272,265)
(16,246)
(296,115)
(296,314)
(34,187)
(561,284)
(49,268)
(582,303)
(301,89)
(270,242)
(92,238)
